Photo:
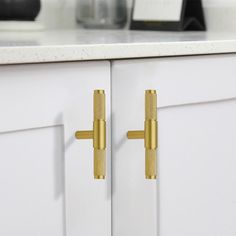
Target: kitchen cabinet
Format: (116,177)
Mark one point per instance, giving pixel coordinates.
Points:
(194,193)
(46,175)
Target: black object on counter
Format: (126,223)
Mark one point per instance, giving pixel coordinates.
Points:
(19,10)
(191,18)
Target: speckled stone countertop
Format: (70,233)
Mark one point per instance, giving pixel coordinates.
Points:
(82,45)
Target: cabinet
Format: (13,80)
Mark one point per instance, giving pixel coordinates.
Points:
(195,192)
(46,175)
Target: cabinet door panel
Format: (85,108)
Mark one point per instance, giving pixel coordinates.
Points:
(32,182)
(197,169)
(46,175)
(194,194)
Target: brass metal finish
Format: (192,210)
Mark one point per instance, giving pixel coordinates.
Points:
(98,134)
(149,134)
(150,164)
(99,163)
(139,134)
(84,134)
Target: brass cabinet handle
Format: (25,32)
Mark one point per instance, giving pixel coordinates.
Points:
(149,134)
(98,134)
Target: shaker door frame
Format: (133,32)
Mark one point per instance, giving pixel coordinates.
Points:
(196,95)
(55,100)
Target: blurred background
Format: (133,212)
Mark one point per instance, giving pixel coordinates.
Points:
(70,14)
(219,14)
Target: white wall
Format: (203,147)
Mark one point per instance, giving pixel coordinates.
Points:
(220,14)
(57,13)
(219,3)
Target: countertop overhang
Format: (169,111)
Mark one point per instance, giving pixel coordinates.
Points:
(83,45)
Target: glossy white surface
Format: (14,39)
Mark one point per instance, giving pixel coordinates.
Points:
(78,45)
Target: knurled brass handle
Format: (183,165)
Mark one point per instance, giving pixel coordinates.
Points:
(98,134)
(149,134)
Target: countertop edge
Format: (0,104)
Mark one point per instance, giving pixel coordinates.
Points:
(67,53)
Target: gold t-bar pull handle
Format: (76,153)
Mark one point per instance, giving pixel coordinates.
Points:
(98,134)
(149,134)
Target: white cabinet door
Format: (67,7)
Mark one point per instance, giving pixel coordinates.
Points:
(46,176)
(195,193)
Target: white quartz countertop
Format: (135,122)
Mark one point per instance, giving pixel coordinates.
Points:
(81,45)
